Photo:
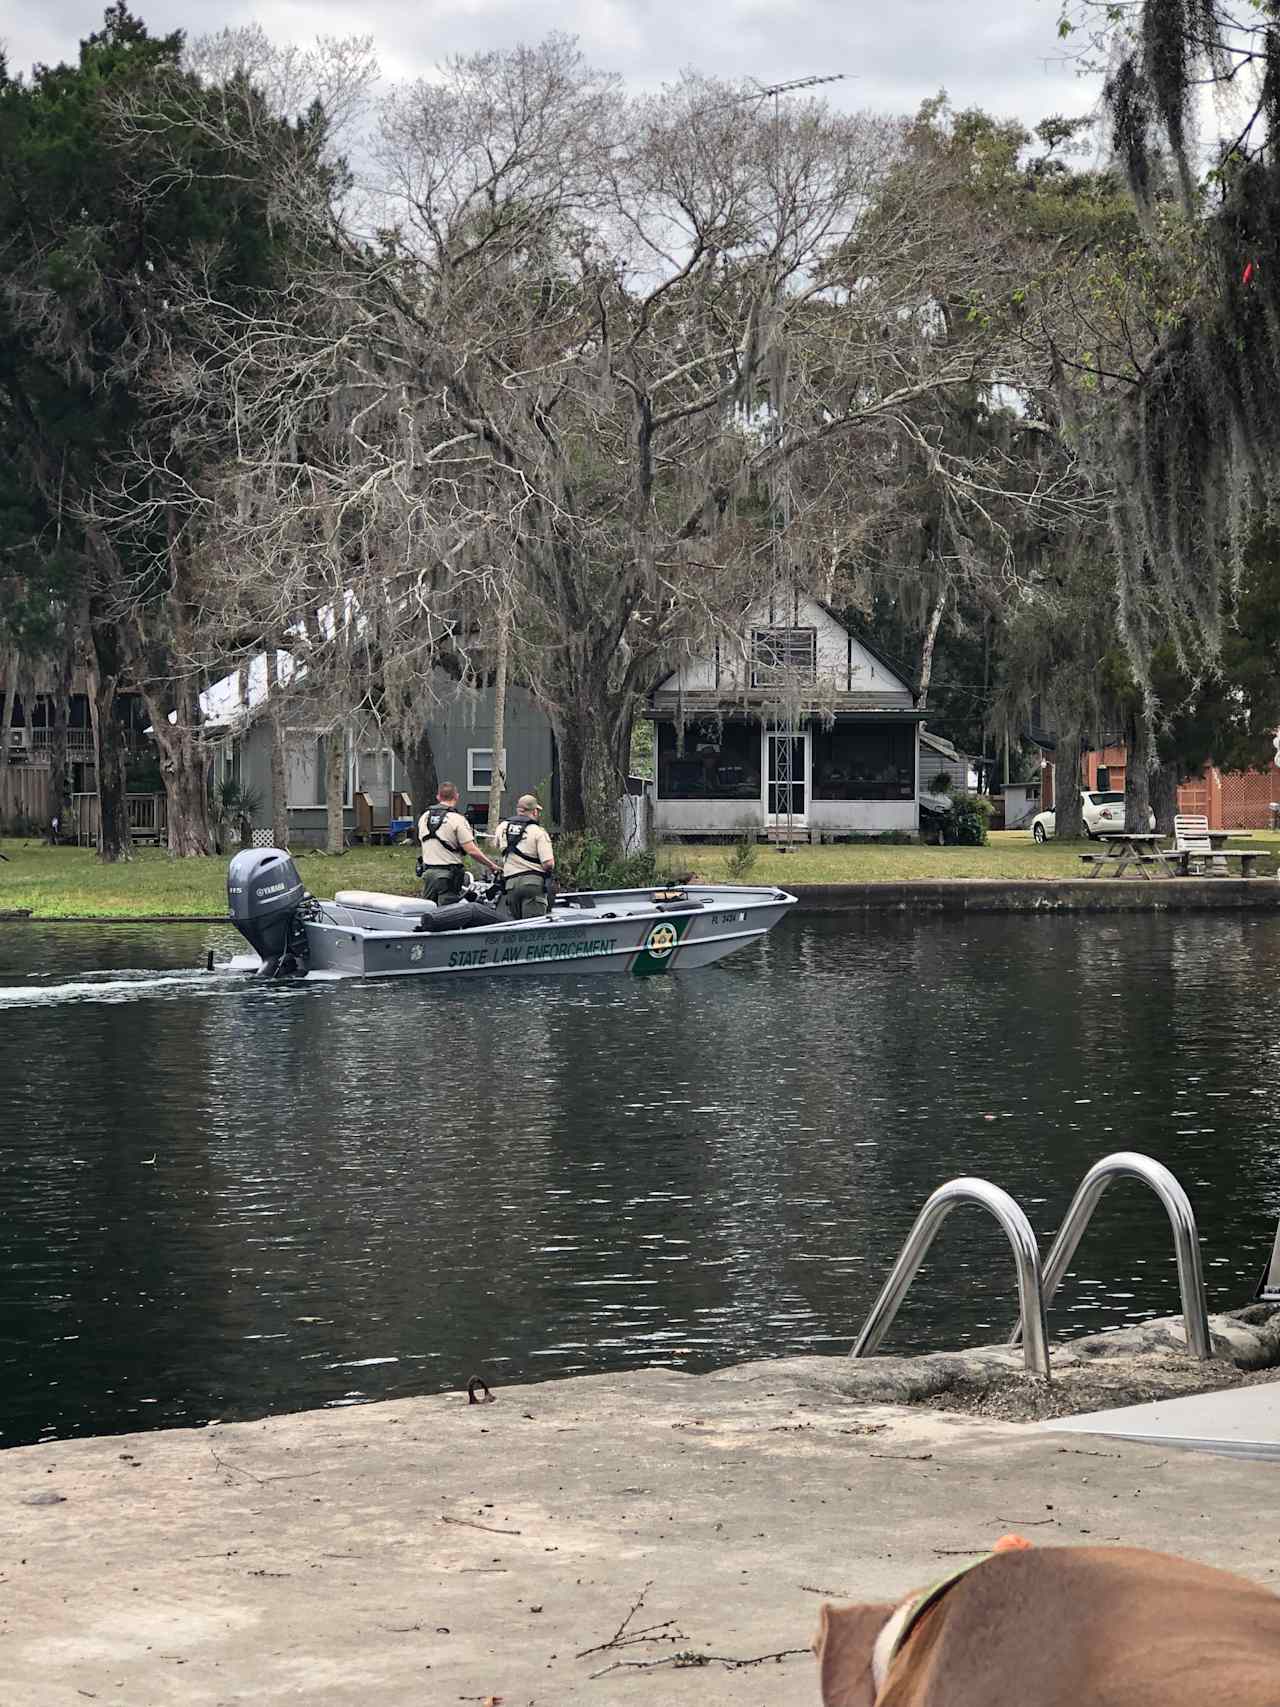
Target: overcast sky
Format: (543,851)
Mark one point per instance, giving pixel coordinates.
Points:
(1000,54)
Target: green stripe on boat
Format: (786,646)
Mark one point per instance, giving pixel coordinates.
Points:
(659,947)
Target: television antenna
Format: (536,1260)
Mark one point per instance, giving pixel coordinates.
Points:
(784,745)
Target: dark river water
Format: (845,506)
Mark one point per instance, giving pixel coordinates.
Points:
(221,1200)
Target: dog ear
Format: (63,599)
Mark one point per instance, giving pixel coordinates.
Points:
(844,1643)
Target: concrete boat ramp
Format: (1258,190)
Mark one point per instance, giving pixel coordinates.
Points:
(1243,1422)
(649,1538)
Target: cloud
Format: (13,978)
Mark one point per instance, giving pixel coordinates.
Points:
(999,54)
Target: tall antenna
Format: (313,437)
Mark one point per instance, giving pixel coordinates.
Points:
(784,748)
(766,89)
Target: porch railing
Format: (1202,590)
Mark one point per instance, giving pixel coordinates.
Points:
(147,820)
(35,746)
(79,741)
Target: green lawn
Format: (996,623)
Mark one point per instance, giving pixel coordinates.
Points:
(64,882)
(1011,853)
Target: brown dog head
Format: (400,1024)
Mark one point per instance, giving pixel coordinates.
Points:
(844,1644)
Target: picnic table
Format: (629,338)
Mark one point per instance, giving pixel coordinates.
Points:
(1140,848)
(1123,848)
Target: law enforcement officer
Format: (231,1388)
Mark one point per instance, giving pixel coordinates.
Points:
(528,861)
(445,836)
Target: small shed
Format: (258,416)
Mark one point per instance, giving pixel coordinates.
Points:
(1021,803)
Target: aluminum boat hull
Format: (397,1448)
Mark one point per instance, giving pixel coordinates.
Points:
(620,931)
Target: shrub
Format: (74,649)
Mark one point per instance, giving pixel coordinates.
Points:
(967,821)
(232,808)
(744,855)
(584,862)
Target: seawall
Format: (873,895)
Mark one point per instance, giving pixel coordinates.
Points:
(1043,895)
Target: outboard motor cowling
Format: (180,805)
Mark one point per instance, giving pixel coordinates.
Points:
(264,895)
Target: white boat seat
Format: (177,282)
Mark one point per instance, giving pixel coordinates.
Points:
(370,901)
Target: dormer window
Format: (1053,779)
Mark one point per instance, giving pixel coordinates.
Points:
(783,655)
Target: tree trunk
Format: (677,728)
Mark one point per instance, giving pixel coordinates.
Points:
(245,821)
(926,651)
(1068,823)
(275,725)
(58,740)
(110,749)
(418,757)
(592,774)
(1137,772)
(498,775)
(8,694)
(335,777)
(1164,796)
(184,768)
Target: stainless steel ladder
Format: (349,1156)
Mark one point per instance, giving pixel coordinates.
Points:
(1026,1257)
(1269,1290)
(1036,1287)
(1186,1242)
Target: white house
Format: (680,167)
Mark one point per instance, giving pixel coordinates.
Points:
(720,756)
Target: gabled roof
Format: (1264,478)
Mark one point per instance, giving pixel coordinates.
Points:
(880,657)
(226,706)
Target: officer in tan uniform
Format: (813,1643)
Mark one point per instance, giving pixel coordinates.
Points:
(445,836)
(528,861)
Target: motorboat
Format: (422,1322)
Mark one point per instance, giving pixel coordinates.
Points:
(365,934)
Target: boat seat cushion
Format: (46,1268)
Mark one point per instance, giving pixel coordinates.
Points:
(369,900)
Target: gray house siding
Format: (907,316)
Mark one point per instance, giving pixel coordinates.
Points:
(461,733)
(935,761)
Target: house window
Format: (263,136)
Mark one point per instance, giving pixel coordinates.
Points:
(479,769)
(304,763)
(783,654)
(864,761)
(375,772)
(1103,783)
(709,760)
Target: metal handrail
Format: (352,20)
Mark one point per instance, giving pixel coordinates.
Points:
(1026,1257)
(1186,1241)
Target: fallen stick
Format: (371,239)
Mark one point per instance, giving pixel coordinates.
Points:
(466,1523)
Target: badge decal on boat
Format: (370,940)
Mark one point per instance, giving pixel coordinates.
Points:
(661,940)
(656,952)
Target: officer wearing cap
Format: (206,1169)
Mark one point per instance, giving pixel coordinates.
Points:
(528,861)
(445,837)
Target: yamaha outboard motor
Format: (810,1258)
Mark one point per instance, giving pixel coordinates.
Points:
(265,897)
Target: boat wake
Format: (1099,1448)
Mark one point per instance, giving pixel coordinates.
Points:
(119,985)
